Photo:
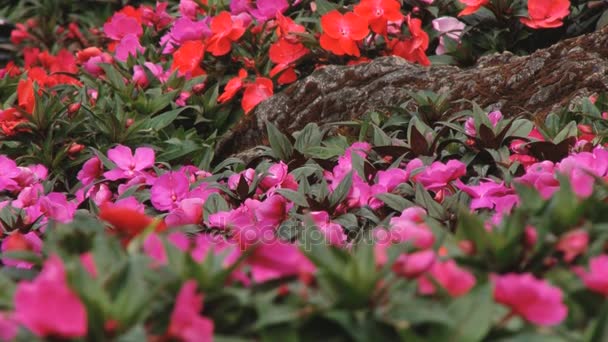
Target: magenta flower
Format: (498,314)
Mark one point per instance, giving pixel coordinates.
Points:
(127,164)
(404,229)
(267,9)
(8,171)
(414,264)
(183,30)
(141,79)
(91,170)
(581,168)
(277,260)
(533,299)
(455,280)
(21,242)
(573,244)
(188,8)
(597,277)
(48,307)
(438,175)
(541,176)
(8,327)
(188,211)
(391,178)
(278,176)
(469,125)
(333,232)
(121,25)
(487,194)
(128,46)
(186,322)
(168,190)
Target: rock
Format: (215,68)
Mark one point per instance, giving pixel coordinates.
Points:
(531,85)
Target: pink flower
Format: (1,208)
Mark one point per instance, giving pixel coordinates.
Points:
(8,171)
(469,125)
(414,264)
(48,307)
(188,211)
(91,170)
(581,167)
(277,260)
(21,242)
(8,327)
(455,280)
(121,25)
(597,277)
(404,229)
(488,195)
(183,30)
(188,8)
(533,299)
(129,46)
(391,178)
(333,232)
(573,244)
(438,175)
(541,176)
(139,74)
(278,176)
(267,9)
(448,27)
(127,164)
(186,322)
(168,190)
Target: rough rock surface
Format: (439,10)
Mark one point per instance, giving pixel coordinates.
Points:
(532,85)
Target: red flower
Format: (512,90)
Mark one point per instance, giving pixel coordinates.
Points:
(341,33)
(256,92)
(232,87)
(225,31)
(284,53)
(25,95)
(379,13)
(472,6)
(286,28)
(413,49)
(9,119)
(546,13)
(187,59)
(128,222)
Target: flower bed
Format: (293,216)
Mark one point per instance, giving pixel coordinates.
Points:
(118,222)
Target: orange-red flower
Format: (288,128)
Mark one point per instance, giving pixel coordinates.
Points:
(232,87)
(286,28)
(341,32)
(284,53)
(379,13)
(187,59)
(128,222)
(256,92)
(472,6)
(546,13)
(25,95)
(9,119)
(413,49)
(225,31)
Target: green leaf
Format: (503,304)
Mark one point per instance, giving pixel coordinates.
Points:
(324,6)
(340,193)
(281,146)
(472,315)
(308,137)
(294,196)
(162,120)
(395,202)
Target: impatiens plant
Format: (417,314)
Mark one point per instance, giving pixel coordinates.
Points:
(433,221)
